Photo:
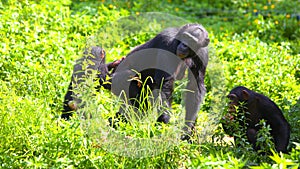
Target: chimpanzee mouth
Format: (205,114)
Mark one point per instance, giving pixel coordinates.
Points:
(181,55)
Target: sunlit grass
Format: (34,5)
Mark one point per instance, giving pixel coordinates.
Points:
(40,42)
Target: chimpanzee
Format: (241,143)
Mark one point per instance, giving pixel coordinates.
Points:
(256,107)
(189,43)
(95,58)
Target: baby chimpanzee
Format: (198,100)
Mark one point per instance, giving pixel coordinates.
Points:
(93,59)
(257,107)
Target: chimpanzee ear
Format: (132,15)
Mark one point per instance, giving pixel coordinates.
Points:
(102,54)
(245,95)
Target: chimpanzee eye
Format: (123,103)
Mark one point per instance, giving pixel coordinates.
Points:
(184,45)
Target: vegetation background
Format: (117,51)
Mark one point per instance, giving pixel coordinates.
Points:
(258,44)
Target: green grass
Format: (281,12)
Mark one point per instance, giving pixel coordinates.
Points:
(41,40)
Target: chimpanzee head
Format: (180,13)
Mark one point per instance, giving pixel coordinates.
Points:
(95,53)
(237,96)
(193,36)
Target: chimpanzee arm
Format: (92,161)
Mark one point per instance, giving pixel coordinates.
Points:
(180,71)
(274,117)
(282,139)
(66,108)
(112,66)
(280,132)
(251,134)
(228,123)
(193,99)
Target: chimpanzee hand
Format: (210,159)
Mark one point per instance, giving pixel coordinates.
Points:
(188,132)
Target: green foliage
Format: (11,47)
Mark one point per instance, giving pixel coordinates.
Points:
(264,138)
(40,41)
(293,117)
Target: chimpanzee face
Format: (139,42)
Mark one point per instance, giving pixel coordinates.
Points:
(183,50)
(234,102)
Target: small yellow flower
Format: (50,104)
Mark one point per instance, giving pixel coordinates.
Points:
(176,9)
(254,10)
(216,41)
(111,6)
(276,22)
(272,6)
(288,16)
(271,37)
(225,19)
(256,21)
(265,7)
(137,13)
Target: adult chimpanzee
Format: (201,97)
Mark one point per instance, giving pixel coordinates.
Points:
(255,107)
(188,42)
(94,57)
